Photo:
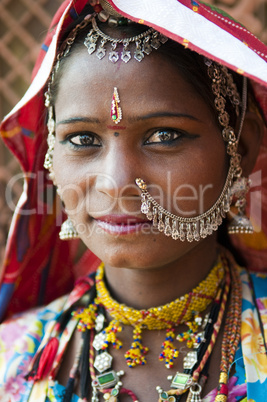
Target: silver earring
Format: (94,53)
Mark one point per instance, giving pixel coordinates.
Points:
(68,231)
(240,222)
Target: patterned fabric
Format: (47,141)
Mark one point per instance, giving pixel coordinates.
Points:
(21,337)
(33,239)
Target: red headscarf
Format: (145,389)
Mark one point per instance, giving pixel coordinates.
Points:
(38,266)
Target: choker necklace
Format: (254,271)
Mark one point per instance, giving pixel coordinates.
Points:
(185,309)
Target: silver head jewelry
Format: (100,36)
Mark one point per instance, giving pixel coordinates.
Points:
(115,112)
(144,44)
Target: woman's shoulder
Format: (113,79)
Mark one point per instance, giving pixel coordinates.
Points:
(33,320)
(20,337)
(259,281)
(254,282)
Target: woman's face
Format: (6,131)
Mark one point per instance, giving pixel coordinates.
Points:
(167,136)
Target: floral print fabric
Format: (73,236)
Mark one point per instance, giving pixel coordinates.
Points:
(22,336)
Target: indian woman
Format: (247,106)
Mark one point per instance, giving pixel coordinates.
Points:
(133,271)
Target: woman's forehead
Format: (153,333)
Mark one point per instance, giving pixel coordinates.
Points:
(86,80)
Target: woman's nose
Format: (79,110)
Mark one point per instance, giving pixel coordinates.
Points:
(119,169)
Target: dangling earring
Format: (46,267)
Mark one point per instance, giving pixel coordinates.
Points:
(240,186)
(68,231)
(240,222)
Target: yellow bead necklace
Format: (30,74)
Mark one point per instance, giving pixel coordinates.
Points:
(171,314)
(182,310)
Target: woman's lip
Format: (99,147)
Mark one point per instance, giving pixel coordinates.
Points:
(121,224)
(128,220)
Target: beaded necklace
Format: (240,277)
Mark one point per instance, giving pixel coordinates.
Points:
(178,311)
(109,383)
(185,309)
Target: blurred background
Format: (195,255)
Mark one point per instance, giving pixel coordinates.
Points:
(23,25)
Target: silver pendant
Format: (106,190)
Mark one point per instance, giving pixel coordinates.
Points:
(163,38)
(155,42)
(146,46)
(99,322)
(101,52)
(90,42)
(99,340)
(126,55)
(104,381)
(113,56)
(103,361)
(180,380)
(194,393)
(190,360)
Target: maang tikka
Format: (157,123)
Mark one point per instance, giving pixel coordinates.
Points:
(115,112)
(236,186)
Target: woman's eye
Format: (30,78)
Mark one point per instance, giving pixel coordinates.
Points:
(161,136)
(84,140)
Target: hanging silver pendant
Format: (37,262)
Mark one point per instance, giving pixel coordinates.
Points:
(147,49)
(138,54)
(155,42)
(190,360)
(99,340)
(105,381)
(180,380)
(113,55)
(103,361)
(126,54)
(99,322)
(90,41)
(194,393)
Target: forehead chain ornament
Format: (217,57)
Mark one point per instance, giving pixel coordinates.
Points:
(116,112)
(145,42)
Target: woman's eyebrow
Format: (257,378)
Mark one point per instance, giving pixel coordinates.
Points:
(72,120)
(163,114)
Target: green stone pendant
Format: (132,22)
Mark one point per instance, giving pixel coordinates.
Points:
(180,380)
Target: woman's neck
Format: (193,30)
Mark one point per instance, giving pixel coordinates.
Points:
(150,287)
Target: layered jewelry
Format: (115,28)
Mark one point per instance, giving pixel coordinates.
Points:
(186,309)
(93,364)
(200,337)
(200,226)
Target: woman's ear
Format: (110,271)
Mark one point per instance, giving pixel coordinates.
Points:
(250,141)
